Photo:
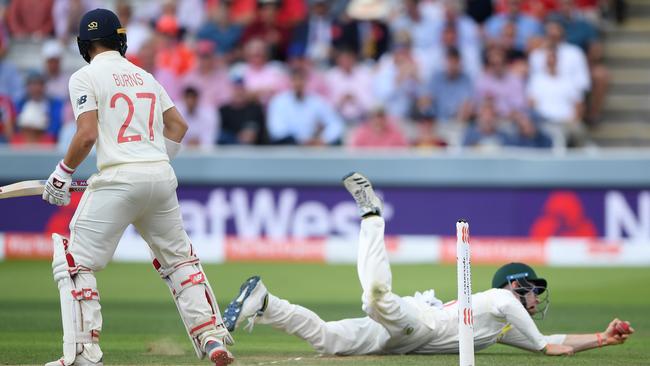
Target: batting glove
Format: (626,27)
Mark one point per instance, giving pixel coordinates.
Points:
(57,188)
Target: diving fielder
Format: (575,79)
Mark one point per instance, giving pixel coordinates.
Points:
(418,324)
(125,112)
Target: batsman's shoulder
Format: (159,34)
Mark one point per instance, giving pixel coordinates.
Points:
(81,75)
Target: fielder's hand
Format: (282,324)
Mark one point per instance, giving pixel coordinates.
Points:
(617,332)
(57,188)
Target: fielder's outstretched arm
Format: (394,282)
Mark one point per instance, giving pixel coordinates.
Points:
(617,332)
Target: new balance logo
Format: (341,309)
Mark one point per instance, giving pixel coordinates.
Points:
(57,183)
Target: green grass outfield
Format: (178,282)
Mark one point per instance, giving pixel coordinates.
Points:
(142,327)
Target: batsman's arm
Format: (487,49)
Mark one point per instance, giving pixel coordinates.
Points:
(83,139)
(175,125)
(174,131)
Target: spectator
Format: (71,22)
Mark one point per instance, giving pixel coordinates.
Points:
(190,14)
(527,134)
(316,82)
(33,125)
(146,59)
(292,12)
(571,61)
(240,11)
(557,103)
(7,118)
(452,91)
(67,15)
(398,80)
(202,119)
(527,27)
(267,28)
(470,52)
(138,31)
(172,53)
(350,84)
(517,59)
(314,35)
(262,79)
(297,117)
(52,107)
(56,83)
(363,30)
(209,76)
(242,120)
(584,34)
(30,18)
(427,131)
(499,83)
(479,10)
(537,9)
(11,81)
(486,133)
(378,131)
(422,30)
(578,31)
(220,30)
(460,31)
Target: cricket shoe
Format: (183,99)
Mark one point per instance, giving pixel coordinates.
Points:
(78,361)
(363,194)
(218,353)
(248,305)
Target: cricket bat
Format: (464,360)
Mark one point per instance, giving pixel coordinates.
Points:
(35,188)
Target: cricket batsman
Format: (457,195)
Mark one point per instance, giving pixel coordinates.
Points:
(128,116)
(419,324)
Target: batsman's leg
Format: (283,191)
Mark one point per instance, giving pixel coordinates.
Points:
(80,310)
(162,228)
(101,218)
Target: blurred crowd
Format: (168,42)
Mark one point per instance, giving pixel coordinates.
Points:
(358,73)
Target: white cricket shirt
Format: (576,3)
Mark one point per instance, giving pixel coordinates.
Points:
(496,313)
(129,104)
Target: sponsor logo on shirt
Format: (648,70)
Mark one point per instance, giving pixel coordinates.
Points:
(81,100)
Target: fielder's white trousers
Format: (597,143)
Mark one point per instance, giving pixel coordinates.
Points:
(393,325)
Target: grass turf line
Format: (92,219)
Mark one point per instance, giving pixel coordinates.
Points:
(142,327)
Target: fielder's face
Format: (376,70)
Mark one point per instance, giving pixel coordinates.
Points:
(531,302)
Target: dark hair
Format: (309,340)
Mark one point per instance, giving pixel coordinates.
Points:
(112,43)
(297,72)
(453,53)
(191,91)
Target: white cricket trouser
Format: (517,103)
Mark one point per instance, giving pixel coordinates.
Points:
(393,325)
(143,194)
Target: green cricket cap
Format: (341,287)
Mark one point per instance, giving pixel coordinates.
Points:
(515,271)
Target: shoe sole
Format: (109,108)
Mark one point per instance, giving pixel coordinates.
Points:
(360,180)
(231,315)
(347,176)
(221,358)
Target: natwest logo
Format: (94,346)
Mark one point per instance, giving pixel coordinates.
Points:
(627,218)
(276,215)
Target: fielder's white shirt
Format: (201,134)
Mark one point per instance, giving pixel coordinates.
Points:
(497,312)
(129,104)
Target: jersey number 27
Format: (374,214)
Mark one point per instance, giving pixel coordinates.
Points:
(121,138)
